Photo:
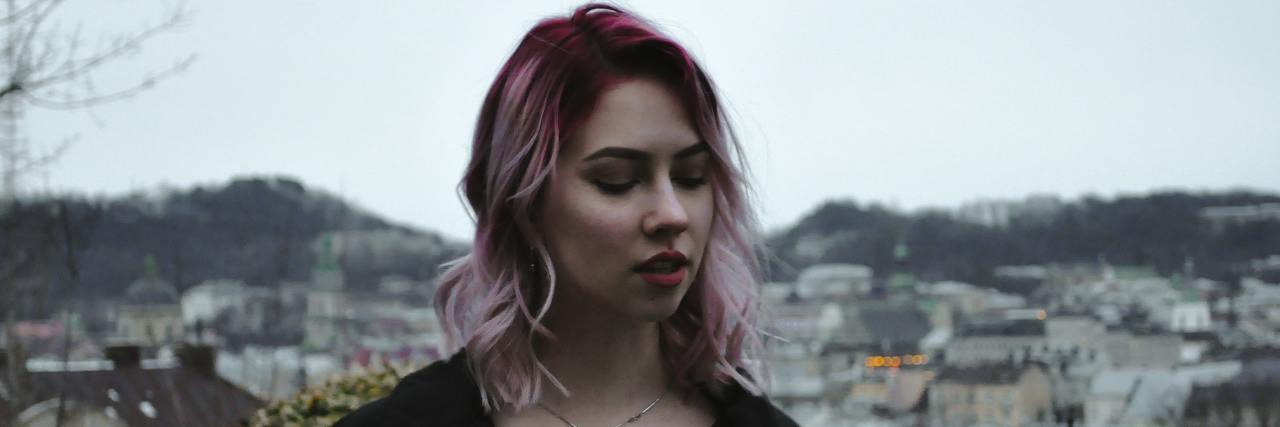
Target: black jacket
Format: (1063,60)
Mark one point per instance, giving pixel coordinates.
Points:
(444,394)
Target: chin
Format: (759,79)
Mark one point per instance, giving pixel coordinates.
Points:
(656,308)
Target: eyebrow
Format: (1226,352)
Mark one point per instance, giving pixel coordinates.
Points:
(633,154)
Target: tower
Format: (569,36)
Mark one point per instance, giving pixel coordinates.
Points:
(902,281)
(326,299)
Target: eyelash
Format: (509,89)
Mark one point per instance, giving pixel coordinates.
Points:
(619,189)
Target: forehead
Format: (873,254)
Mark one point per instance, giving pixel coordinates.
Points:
(640,114)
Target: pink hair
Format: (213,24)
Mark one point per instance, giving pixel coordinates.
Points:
(491,302)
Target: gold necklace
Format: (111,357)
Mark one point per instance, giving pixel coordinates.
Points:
(628,421)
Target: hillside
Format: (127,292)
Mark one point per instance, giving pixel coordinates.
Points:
(262,230)
(1161,230)
(265,230)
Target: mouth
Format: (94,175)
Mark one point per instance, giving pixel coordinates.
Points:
(666,269)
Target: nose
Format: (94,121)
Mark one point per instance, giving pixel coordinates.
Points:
(668,217)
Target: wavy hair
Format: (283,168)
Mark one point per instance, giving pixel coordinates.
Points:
(491,301)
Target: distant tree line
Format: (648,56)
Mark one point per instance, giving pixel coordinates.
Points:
(259,230)
(1161,231)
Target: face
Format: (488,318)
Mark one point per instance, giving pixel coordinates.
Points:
(632,182)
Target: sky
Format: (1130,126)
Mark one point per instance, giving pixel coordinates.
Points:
(909,103)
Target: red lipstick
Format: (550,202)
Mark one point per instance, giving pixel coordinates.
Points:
(666,269)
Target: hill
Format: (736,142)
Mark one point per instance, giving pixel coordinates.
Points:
(265,231)
(262,230)
(1161,230)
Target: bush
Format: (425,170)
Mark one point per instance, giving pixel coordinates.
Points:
(324,405)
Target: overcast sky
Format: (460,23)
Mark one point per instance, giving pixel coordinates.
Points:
(911,103)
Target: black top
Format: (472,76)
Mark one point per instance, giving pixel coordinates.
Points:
(444,394)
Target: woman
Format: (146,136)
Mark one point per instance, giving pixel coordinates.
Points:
(612,276)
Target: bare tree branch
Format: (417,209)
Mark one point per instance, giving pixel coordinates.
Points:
(46,69)
(70,102)
(24,45)
(10,88)
(21,13)
(27,163)
(73,68)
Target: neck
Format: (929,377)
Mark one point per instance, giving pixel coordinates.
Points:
(603,361)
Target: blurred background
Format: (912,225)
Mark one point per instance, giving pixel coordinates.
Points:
(979,213)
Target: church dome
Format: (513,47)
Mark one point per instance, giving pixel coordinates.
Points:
(150,289)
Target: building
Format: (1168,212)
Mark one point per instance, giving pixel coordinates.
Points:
(982,343)
(1150,396)
(998,394)
(1125,349)
(126,391)
(1249,398)
(838,281)
(204,302)
(327,326)
(1223,216)
(968,300)
(1190,316)
(883,328)
(901,284)
(150,312)
(1074,331)
(999,213)
(800,375)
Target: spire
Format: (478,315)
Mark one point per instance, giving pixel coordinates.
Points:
(149,269)
(1185,281)
(902,280)
(328,260)
(327,273)
(901,252)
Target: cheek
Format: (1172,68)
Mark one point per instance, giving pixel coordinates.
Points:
(703,219)
(705,215)
(586,230)
(701,210)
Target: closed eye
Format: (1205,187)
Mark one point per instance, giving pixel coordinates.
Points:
(691,183)
(615,189)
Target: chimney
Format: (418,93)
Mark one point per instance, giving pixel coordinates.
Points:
(197,357)
(124,356)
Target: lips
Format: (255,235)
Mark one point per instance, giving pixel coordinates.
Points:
(666,269)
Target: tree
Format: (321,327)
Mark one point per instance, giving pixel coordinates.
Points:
(41,243)
(44,67)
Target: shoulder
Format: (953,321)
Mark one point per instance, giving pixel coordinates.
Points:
(735,406)
(442,393)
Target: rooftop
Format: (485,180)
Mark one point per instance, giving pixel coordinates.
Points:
(990,373)
(143,395)
(1013,327)
(138,393)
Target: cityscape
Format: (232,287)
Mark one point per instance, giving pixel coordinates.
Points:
(1095,342)
(235,213)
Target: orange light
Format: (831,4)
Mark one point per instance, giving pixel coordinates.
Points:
(895,361)
(1041,315)
(877,361)
(917,359)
